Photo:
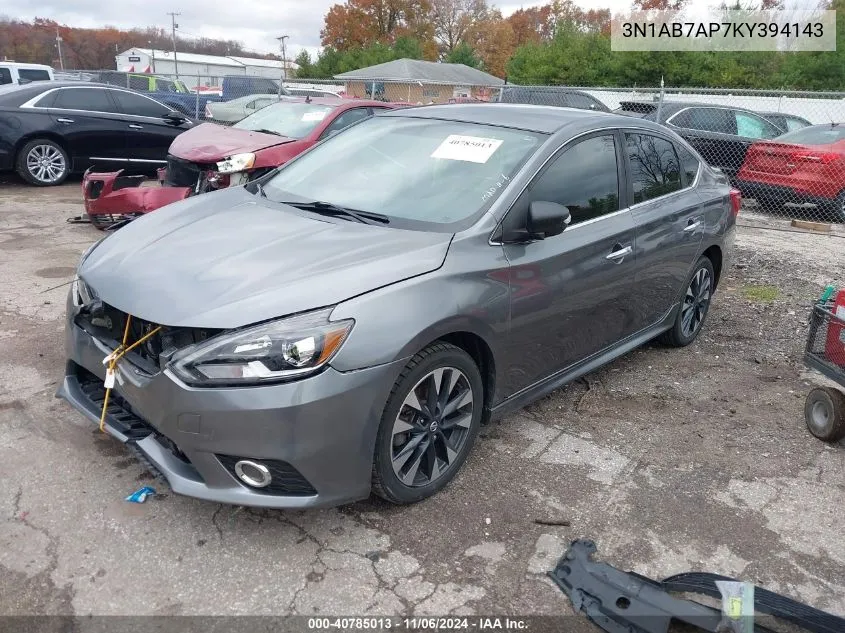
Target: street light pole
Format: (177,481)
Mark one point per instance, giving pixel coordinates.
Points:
(282,39)
(174,26)
(152,54)
(59,45)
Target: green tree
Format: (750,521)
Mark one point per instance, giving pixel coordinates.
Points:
(306,68)
(407,48)
(463,54)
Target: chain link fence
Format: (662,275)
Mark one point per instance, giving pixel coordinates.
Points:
(785,151)
(224,99)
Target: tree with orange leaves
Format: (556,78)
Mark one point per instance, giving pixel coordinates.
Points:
(359,23)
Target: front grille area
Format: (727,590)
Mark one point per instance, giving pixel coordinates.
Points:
(183,173)
(287,480)
(107,323)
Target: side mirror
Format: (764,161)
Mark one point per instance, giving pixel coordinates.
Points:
(547,219)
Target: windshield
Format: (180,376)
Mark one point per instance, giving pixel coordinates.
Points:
(815,135)
(413,170)
(294,120)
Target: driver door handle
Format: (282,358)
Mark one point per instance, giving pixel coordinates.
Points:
(135,126)
(618,253)
(63,120)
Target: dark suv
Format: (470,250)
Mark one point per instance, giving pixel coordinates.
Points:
(721,134)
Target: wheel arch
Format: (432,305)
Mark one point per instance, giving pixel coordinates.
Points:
(50,136)
(714,254)
(481,353)
(471,336)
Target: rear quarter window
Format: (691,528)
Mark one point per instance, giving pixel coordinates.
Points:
(31,74)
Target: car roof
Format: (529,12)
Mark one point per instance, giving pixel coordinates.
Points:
(13,94)
(785,114)
(337,102)
(534,118)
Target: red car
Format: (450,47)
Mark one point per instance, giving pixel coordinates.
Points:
(803,166)
(210,156)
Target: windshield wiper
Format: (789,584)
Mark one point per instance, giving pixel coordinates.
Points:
(266,131)
(327,208)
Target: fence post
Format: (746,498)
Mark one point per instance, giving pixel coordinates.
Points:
(197,106)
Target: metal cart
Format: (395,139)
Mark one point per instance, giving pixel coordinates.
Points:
(824,409)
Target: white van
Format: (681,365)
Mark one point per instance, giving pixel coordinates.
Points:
(15,73)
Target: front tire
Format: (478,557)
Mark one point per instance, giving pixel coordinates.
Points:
(429,424)
(43,162)
(694,307)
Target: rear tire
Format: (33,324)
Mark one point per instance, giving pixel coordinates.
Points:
(836,209)
(694,307)
(824,413)
(767,204)
(429,424)
(43,163)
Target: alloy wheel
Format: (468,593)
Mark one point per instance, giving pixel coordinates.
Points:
(696,302)
(432,426)
(46,163)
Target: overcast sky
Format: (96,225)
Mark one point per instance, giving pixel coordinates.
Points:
(300,19)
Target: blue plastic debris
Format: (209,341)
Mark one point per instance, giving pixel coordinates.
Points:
(139,496)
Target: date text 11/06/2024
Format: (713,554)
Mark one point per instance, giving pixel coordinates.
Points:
(418,624)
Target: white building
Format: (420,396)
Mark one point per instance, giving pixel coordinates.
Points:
(210,68)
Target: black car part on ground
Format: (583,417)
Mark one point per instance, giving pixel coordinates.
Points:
(626,602)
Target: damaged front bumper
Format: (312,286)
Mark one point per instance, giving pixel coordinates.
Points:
(111,197)
(316,436)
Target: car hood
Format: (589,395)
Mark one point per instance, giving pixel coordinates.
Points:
(230,258)
(208,142)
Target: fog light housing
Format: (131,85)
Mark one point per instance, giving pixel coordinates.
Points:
(253,474)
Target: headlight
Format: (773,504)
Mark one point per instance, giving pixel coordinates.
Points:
(236,163)
(272,352)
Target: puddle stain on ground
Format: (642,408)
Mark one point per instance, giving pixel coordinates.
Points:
(55,272)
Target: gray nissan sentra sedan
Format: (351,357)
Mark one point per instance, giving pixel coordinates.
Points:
(345,324)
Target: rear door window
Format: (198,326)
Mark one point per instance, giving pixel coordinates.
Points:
(138,105)
(717,120)
(655,167)
(87,99)
(5,76)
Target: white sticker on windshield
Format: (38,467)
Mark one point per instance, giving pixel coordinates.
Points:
(473,149)
(314,116)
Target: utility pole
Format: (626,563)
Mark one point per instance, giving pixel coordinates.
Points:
(152,54)
(282,39)
(59,45)
(173,32)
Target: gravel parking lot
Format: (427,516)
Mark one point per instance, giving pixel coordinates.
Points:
(672,460)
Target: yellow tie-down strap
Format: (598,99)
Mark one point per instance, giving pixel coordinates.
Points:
(112,359)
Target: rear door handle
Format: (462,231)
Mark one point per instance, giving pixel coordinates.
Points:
(136,127)
(693,224)
(618,253)
(63,120)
